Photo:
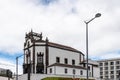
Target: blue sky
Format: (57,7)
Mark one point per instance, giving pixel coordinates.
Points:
(62,21)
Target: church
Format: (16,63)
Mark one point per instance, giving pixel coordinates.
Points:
(49,58)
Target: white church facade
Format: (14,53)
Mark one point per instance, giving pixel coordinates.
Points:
(44,57)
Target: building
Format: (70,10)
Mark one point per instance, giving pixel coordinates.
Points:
(5,74)
(110,69)
(44,57)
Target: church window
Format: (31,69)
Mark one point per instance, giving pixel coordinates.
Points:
(66,61)
(73,71)
(57,60)
(73,62)
(50,70)
(40,65)
(65,70)
(81,72)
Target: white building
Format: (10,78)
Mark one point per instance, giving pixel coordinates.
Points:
(110,69)
(5,74)
(44,57)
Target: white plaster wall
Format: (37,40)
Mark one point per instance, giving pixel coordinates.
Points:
(96,72)
(55,52)
(4,78)
(57,70)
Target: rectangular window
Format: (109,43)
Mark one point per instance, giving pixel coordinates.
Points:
(112,76)
(66,61)
(106,68)
(73,71)
(101,77)
(112,72)
(88,67)
(117,62)
(112,67)
(101,64)
(101,73)
(106,63)
(81,72)
(111,63)
(117,67)
(66,71)
(73,62)
(50,70)
(106,72)
(57,60)
(101,68)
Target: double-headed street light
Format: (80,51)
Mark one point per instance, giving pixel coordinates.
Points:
(86,22)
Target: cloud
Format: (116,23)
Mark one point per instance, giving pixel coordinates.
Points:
(62,21)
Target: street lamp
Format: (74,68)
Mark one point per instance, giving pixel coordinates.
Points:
(86,22)
(17,66)
(29,66)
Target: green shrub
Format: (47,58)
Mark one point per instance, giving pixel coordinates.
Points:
(62,78)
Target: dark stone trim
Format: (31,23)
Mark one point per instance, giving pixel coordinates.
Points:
(47,54)
(92,70)
(67,65)
(33,45)
(80,57)
(83,57)
(90,64)
(33,57)
(54,47)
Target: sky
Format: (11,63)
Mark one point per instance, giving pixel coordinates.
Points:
(62,21)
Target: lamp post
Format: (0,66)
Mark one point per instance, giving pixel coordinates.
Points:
(17,66)
(29,66)
(87,22)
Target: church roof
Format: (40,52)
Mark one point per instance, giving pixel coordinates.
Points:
(63,47)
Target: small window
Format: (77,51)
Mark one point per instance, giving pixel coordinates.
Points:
(101,77)
(101,64)
(50,70)
(101,68)
(111,63)
(57,60)
(81,72)
(117,62)
(65,70)
(112,72)
(88,67)
(101,73)
(73,71)
(106,63)
(73,62)
(66,61)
